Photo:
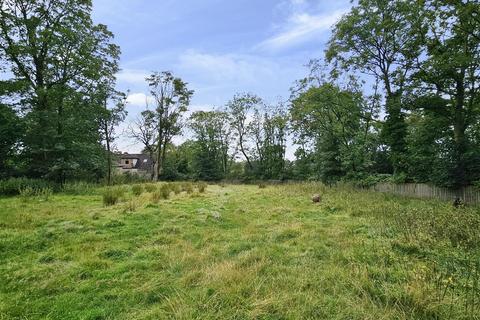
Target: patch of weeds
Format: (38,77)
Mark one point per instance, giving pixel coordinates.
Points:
(287,235)
(187,187)
(202,186)
(46,259)
(112,195)
(115,254)
(114,224)
(137,189)
(150,187)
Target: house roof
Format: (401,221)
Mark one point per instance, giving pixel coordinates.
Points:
(144,162)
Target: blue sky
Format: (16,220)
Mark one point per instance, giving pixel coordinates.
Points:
(219,47)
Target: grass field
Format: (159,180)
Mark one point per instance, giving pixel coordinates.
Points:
(238,252)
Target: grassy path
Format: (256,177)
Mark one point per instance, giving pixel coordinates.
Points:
(235,252)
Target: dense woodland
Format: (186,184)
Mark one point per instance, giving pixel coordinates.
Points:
(396,97)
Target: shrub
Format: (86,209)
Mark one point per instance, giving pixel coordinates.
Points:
(137,189)
(187,187)
(202,186)
(262,185)
(12,186)
(112,195)
(150,187)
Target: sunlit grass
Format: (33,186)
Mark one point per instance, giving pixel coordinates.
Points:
(238,252)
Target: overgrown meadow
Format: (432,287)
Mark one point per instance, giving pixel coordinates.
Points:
(192,251)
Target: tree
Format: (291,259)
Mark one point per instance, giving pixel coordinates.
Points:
(269,131)
(240,108)
(451,71)
(382,38)
(144,130)
(112,117)
(10,134)
(338,124)
(57,56)
(171,97)
(212,137)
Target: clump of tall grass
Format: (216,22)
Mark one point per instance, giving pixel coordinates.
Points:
(150,187)
(112,195)
(187,187)
(130,206)
(201,186)
(137,189)
(78,188)
(28,192)
(262,185)
(176,187)
(161,193)
(165,190)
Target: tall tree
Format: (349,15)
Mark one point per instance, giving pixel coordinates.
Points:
(240,109)
(451,73)
(171,97)
(382,38)
(338,123)
(55,51)
(145,130)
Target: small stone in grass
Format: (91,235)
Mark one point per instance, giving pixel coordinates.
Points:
(216,215)
(316,198)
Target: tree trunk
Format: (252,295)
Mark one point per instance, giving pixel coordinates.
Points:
(459,135)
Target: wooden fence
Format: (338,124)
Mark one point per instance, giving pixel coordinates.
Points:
(470,195)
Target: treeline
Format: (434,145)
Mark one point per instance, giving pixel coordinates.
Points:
(395,97)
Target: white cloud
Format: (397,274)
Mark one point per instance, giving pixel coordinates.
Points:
(139,99)
(301,27)
(132,76)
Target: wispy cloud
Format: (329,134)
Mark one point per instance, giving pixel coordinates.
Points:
(299,28)
(132,76)
(225,68)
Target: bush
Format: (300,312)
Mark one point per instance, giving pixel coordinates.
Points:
(112,195)
(13,186)
(262,185)
(202,186)
(137,189)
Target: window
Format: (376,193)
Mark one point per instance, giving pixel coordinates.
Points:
(127,162)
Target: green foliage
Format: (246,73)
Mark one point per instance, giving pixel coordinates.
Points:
(137,189)
(62,66)
(112,195)
(13,186)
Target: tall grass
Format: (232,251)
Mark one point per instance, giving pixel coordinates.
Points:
(112,195)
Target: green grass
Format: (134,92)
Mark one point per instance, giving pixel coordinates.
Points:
(239,252)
